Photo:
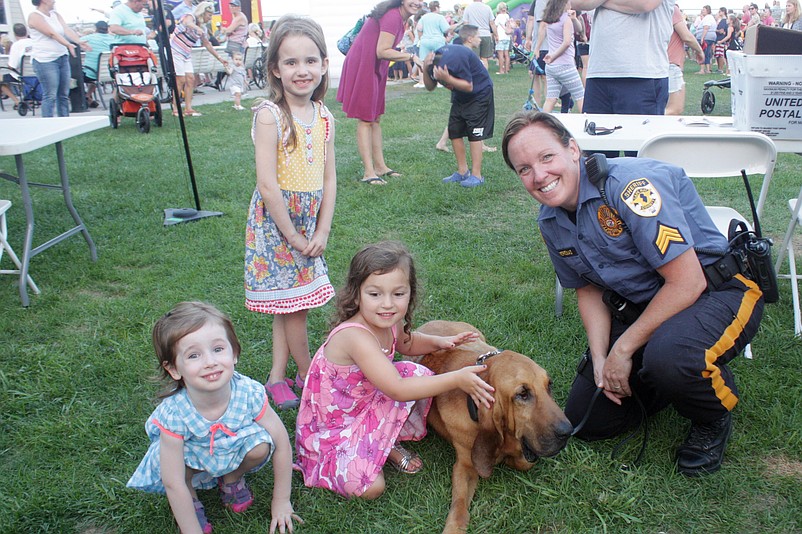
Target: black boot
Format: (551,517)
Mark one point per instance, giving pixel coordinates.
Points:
(703,450)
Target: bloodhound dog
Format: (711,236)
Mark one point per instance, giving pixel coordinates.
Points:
(524,423)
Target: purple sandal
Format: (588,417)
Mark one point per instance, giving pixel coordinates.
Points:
(237,496)
(200,513)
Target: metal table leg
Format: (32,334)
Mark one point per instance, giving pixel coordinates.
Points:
(28,250)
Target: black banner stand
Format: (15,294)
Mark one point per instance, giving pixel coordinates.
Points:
(174,216)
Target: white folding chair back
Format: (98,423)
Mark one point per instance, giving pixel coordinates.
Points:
(252,53)
(5,247)
(717,156)
(788,248)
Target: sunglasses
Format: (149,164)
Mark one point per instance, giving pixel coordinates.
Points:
(592,129)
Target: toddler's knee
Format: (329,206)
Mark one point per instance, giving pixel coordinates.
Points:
(258,453)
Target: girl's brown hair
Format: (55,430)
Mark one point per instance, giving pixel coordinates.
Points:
(182,320)
(554,10)
(287,26)
(379,258)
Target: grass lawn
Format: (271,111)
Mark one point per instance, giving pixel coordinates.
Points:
(77,366)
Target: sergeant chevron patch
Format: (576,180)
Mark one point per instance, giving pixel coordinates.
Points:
(665,236)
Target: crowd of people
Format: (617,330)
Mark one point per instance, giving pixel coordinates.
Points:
(51,42)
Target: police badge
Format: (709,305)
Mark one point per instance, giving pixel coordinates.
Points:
(642,198)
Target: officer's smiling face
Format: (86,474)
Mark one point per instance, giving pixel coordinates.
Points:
(548,170)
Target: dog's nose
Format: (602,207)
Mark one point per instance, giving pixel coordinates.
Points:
(564,429)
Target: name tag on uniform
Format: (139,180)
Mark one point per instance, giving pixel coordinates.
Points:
(567,252)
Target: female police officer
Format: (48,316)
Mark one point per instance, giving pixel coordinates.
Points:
(635,234)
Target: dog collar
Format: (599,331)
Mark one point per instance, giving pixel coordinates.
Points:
(473,411)
(481,359)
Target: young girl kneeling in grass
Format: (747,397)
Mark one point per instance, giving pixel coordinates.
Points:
(358,404)
(213,424)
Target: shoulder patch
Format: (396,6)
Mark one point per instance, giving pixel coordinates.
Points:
(609,221)
(642,198)
(567,252)
(666,235)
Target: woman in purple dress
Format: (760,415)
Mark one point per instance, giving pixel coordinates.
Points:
(364,78)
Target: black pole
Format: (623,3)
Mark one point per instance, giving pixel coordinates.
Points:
(164,42)
(171,215)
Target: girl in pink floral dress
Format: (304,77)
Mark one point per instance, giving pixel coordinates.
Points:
(357,403)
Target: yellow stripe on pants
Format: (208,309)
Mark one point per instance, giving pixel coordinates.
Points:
(726,342)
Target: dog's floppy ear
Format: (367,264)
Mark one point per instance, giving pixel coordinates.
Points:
(488,440)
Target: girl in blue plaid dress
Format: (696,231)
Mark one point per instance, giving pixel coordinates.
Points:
(213,424)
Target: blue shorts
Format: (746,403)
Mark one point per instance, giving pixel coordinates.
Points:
(626,96)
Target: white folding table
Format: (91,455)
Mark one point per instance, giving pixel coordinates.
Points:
(635,129)
(23,135)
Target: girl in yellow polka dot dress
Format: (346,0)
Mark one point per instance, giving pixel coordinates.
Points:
(291,210)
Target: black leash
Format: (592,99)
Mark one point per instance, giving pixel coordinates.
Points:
(643,422)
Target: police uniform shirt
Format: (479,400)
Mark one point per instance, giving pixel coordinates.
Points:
(665,216)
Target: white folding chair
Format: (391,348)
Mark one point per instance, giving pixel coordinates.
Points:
(5,247)
(718,155)
(788,248)
(722,155)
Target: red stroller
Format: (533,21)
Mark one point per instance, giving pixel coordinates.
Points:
(136,88)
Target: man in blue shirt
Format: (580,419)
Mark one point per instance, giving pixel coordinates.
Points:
(183,8)
(100,41)
(459,69)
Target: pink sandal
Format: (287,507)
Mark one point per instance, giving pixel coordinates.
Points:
(298,382)
(282,396)
(236,495)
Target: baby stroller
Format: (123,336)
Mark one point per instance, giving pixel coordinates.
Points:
(26,87)
(708,98)
(136,89)
(518,54)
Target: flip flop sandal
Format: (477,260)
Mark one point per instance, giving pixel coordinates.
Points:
(407,457)
(392,174)
(373,180)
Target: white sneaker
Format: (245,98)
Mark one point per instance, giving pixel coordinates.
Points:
(419,85)
(238,108)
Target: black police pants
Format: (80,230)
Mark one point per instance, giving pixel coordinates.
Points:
(684,364)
